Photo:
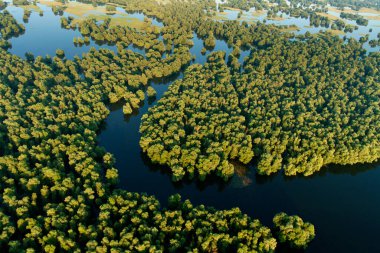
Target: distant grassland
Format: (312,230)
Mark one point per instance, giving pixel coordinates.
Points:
(122,21)
(362,10)
(372,17)
(78,9)
(30,7)
(230,8)
(82,11)
(368,10)
(336,32)
(327,15)
(127,21)
(258,13)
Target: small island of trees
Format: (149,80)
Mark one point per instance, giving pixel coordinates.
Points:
(293,230)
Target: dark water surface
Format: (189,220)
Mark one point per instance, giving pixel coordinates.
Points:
(343,202)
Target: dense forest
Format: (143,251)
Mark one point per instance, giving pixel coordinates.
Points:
(59,189)
(298,105)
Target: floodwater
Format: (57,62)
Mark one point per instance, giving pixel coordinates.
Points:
(343,202)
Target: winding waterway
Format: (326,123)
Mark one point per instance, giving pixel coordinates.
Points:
(342,201)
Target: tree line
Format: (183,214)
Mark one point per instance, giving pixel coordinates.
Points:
(358,18)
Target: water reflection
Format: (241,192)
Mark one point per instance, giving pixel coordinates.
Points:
(44,34)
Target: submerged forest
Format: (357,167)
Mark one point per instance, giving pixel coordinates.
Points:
(273,101)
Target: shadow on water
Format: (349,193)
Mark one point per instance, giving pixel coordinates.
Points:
(250,171)
(284,248)
(336,169)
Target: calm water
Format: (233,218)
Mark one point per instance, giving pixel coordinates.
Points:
(43,35)
(342,201)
